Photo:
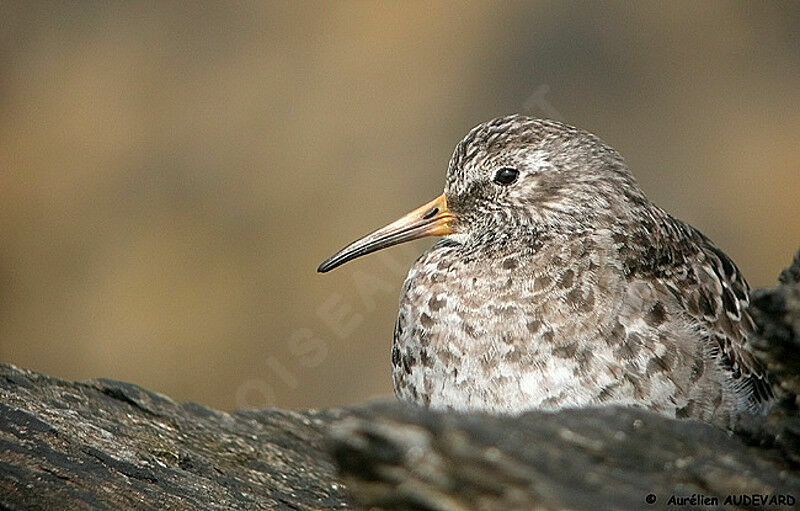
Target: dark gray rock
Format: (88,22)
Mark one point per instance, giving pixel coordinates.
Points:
(776,312)
(110,445)
(609,458)
(104,444)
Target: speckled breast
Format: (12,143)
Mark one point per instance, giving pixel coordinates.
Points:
(504,331)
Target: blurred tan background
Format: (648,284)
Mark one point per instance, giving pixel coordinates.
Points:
(172,174)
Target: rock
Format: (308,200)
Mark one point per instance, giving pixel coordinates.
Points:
(604,458)
(776,312)
(104,444)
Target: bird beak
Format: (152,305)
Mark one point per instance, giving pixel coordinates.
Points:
(431,219)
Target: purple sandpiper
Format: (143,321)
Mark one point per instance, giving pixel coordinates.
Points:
(559,284)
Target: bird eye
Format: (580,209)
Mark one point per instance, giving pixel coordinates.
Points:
(506,176)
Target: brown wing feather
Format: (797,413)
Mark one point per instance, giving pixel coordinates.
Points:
(719,299)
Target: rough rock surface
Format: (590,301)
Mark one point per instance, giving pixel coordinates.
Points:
(610,458)
(104,444)
(109,445)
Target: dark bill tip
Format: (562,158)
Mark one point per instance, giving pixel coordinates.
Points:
(328,264)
